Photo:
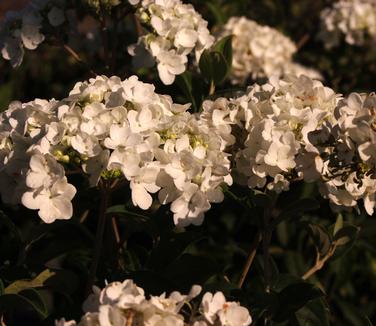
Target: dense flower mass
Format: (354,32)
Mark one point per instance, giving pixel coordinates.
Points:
(355,20)
(110,129)
(347,150)
(125,303)
(261,51)
(271,124)
(23,29)
(176,30)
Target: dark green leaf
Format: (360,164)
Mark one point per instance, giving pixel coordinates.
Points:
(184,81)
(346,234)
(224,46)
(314,313)
(213,66)
(296,209)
(339,224)
(189,269)
(294,297)
(217,12)
(63,281)
(29,297)
(320,237)
(5,220)
(353,315)
(345,238)
(170,247)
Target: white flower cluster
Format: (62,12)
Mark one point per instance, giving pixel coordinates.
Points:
(348,152)
(261,51)
(297,129)
(176,30)
(124,303)
(109,129)
(271,124)
(353,19)
(22,29)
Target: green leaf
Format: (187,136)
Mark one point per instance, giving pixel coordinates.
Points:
(36,282)
(339,224)
(170,247)
(345,239)
(352,314)
(213,66)
(189,269)
(314,313)
(135,222)
(224,46)
(5,220)
(122,210)
(153,283)
(217,12)
(184,81)
(346,234)
(294,297)
(296,209)
(29,297)
(320,237)
(63,281)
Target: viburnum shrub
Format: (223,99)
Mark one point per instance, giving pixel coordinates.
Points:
(222,185)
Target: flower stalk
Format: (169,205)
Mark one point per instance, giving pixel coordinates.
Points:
(104,201)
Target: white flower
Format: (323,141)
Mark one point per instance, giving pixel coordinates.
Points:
(122,294)
(258,51)
(169,65)
(176,30)
(85,144)
(53,203)
(353,19)
(142,185)
(233,314)
(211,304)
(125,303)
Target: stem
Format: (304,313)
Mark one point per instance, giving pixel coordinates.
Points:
(266,238)
(105,198)
(320,262)
(303,41)
(77,57)
(138,26)
(212,88)
(251,256)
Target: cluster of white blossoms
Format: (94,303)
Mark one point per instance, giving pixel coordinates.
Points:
(353,19)
(125,303)
(347,150)
(22,29)
(111,129)
(271,124)
(176,29)
(261,51)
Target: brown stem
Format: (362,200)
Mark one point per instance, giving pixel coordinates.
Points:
(105,198)
(266,238)
(138,26)
(250,258)
(76,56)
(303,41)
(116,230)
(320,262)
